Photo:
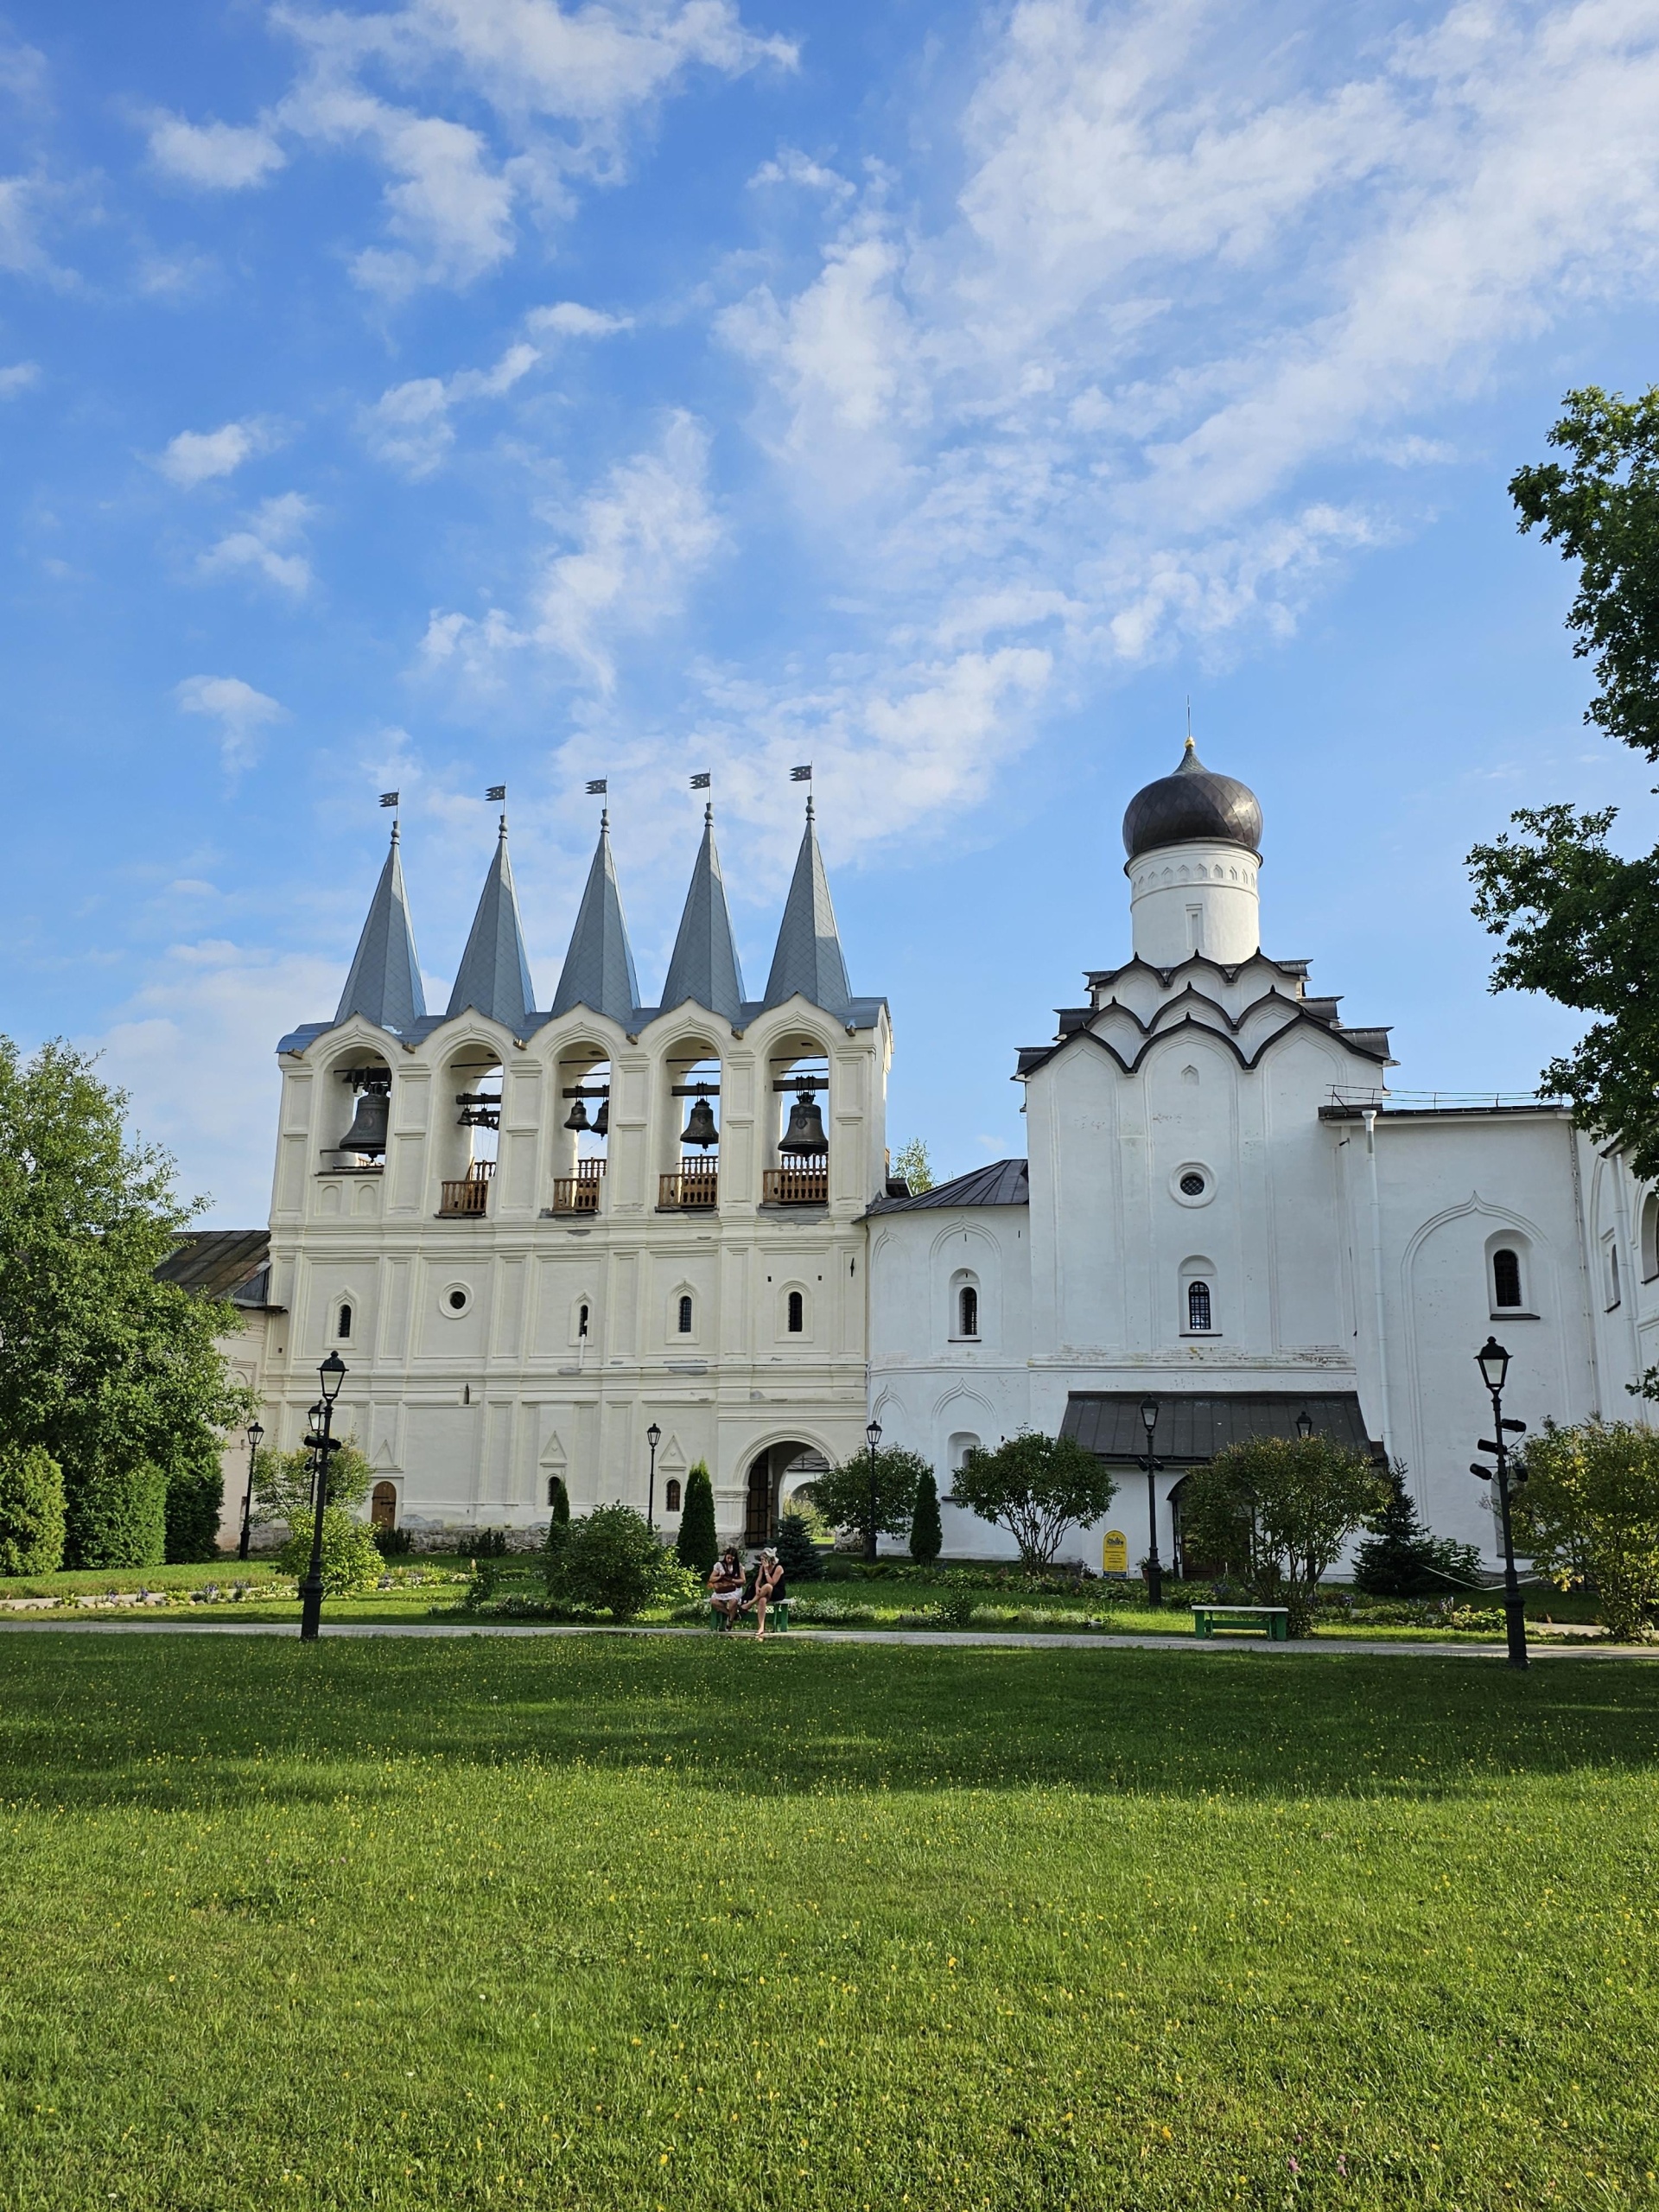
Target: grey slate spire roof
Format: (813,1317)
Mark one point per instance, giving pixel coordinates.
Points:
(599,968)
(385,984)
(808,958)
(704,964)
(494,975)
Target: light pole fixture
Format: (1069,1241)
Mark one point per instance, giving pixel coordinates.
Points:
(331,1375)
(1493,1361)
(871,1437)
(653,1437)
(255,1436)
(1304,1424)
(1155,1566)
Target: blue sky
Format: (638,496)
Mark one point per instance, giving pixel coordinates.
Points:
(454,392)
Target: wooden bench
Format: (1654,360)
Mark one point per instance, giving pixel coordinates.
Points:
(1276,1619)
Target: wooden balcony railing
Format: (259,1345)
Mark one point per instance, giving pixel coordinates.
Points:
(471,1194)
(688,1188)
(795,1186)
(579,1193)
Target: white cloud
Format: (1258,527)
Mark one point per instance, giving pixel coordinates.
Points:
(640,538)
(409,426)
(550,97)
(791,166)
(214,156)
(18,378)
(240,711)
(569,319)
(268,544)
(196,456)
(20,250)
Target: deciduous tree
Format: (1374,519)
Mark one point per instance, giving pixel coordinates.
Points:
(1036,1487)
(1589,1510)
(1278,1510)
(842,1494)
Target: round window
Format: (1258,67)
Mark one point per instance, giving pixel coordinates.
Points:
(1193,1184)
(456,1299)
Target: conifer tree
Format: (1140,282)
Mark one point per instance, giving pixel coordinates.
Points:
(801,1558)
(927,1535)
(697,1545)
(559,1501)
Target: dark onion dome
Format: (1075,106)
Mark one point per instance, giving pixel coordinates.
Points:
(1193,804)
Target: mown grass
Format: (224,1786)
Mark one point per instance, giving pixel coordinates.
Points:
(601,1923)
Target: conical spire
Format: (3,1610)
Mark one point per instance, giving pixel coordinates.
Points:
(494,975)
(385,984)
(704,966)
(599,967)
(808,958)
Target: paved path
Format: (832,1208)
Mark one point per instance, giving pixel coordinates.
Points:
(955,1638)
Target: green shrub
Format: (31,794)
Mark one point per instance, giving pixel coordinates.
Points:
(926,1536)
(488,1543)
(697,1545)
(116,1516)
(350,1557)
(392,1543)
(1278,1512)
(195,1498)
(959,1605)
(31,1510)
(611,1563)
(802,1560)
(558,1503)
(1589,1510)
(1402,1559)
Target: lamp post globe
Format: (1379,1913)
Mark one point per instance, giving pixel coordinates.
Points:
(871,1437)
(255,1437)
(1149,1411)
(331,1374)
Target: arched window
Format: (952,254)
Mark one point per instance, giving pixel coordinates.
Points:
(1651,1236)
(1199,1318)
(968,1311)
(1614,1293)
(797,1313)
(685,1315)
(671,1496)
(1506,1277)
(343,1325)
(582,1320)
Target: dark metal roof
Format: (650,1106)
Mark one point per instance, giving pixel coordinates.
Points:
(1194,802)
(494,976)
(1193,1426)
(704,967)
(807,959)
(385,984)
(1002,1184)
(232,1263)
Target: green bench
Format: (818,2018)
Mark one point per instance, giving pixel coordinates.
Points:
(777,1617)
(1276,1619)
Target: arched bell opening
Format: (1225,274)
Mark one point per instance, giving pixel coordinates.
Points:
(776,1477)
(468,1124)
(356,1102)
(688,1119)
(582,1141)
(799,1174)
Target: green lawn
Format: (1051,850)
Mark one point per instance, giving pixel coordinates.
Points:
(617,1924)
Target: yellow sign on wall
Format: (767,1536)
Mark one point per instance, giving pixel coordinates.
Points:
(1115,1553)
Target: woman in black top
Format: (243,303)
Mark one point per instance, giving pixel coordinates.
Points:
(769,1589)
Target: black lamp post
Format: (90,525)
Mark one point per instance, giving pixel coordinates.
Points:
(1155,1568)
(871,1437)
(1494,1364)
(653,1437)
(255,1434)
(332,1374)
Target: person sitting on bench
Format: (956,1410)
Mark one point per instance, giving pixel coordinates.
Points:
(726,1586)
(770,1589)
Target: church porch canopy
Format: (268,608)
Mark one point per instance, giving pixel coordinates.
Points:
(1193,1425)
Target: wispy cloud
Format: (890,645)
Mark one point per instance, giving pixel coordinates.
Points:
(214,156)
(241,713)
(269,544)
(18,378)
(640,537)
(196,456)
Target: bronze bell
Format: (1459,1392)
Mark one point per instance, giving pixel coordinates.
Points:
(603,1119)
(700,1125)
(804,1135)
(578,1115)
(367,1133)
